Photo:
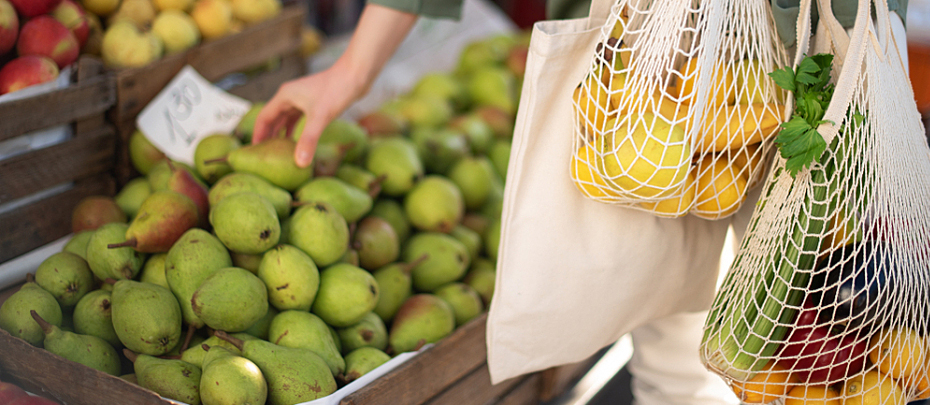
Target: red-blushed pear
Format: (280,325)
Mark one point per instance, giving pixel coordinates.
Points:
(71,15)
(161,220)
(9,26)
(46,36)
(9,392)
(516,59)
(33,8)
(94,211)
(382,123)
(498,119)
(182,181)
(26,71)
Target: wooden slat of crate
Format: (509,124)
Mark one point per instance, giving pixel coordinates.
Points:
(525,393)
(263,86)
(93,96)
(475,388)
(430,372)
(80,157)
(557,380)
(44,221)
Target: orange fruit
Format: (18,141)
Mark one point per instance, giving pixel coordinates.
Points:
(872,388)
(812,395)
(720,188)
(897,351)
(586,176)
(769,384)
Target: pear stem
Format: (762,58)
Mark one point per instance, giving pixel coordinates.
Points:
(420,344)
(187,339)
(407,268)
(129,243)
(217,160)
(46,327)
(132,356)
(205,347)
(374,188)
(235,342)
(30,278)
(110,281)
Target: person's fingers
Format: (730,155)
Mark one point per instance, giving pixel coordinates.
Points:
(266,121)
(289,125)
(309,138)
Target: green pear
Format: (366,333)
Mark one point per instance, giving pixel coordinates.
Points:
(161,220)
(142,153)
(492,238)
(131,196)
(376,243)
(88,350)
(238,182)
(247,261)
(259,329)
(494,86)
(196,340)
(161,172)
(470,239)
(479,134)
(447,260)
(154,270)
(351,257)
(291,277)
(66,276)
(481,53)
(293,375)
(425,111)
(369,332)
(299,329)
(500,121)
(494,206)
(93,211)
(230,379)
(16,317)
(476,222)
(481,277)
(362,361)
(78,243)
(346,294)
(444,86)
(246,125)
(465,302)
(335,336)
(146,317)
(195,354)
(423,318)
(474,177)
(500,157)
(349,201)
(190,261)
(361,178)
(327,158)
(393,212)
(131,378)
(439,149)
(230,299)
(395,286)
(246,223)
(117,263)
(93,316)
(397,160)
(170,378)
(434,205)
(381,123)
(213,147)
(320,232)
(272,160)
(347,133)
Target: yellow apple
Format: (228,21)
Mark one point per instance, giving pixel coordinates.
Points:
(101,8)
(139,12)
(182,5)
(254,11)
(213,18)
(177,30)
(124,46)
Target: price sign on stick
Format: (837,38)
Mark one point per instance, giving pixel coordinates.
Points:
(187,110)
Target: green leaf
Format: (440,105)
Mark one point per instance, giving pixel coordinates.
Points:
(808,72)
(784,78)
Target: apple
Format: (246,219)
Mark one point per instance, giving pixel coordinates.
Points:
(213,18)
(139,12)
(9,26)
(182,5)
(124,45)
(9,392)
(177,30)
(254,11)
(33,8)
(73,16)
(100,8)
(26,71)
(47,36)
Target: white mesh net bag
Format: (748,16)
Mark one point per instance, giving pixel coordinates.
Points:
(828,298)
(653,133)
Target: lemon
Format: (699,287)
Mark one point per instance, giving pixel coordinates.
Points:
(872,388)
(769,384)
(723,89)
(675,207)
(586,177)
(651,161)
(720,191)
(812,395)
(593,104)
(897,352)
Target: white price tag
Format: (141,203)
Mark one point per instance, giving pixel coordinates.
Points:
(187,110)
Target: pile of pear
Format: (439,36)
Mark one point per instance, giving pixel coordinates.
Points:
(633,142)
(247,279)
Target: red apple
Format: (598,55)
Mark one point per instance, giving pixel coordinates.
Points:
(33,8)
(73,16)
(9,392)
(26,71)
(32,400)
(47,36)
(9,26)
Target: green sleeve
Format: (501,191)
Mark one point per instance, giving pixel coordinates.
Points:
(451,9)
(565,9)
(786,15)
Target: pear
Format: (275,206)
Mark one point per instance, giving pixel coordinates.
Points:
(492,238)
(351,257)
(66,276)
(238,182)
(116,263)
(381,124)
(440,149)
(93,316)
(230,299)
(146,317)
(94,211)
(393,212)
(494,206)
(444,86)
(142,153)
(479,134)
(291,277)
(376,243)
(230,379)
(470,239)
(299,329)
(361,361)
(481,53)
(246,223)
(361,178)
(474,177)
(189,262)
(349,133)
(494,86)
(185,183)
(327,158)
(425,111)
(481,277)
(247,261)
(395,286)
(369,332)
(465,302)
(170,378)
(319,231)
(15,316)
(259,329)
(476,222)
(272,160)
(88,350)
(447,262)
(162,219)
(434,205)
(397,160)
(500,157)
(131,196)
(131,378)
(78,243)
(423,317)
(246,125)
(161,172)
(213,147)
(197,353)
(349,201)
(154,270)
(500,121)
(346,294)
(293,375)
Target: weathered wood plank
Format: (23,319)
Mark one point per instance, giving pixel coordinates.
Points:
(77,158)
(556,380)
(420,378)
(263,86)
(475,388)
(526,393)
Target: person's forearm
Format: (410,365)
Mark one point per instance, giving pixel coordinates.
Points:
(379,32)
